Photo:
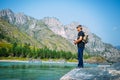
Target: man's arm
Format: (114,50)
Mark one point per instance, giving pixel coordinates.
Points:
(78,40)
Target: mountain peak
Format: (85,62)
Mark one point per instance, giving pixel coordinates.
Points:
(52,21)
(8,15)
(6,12)
(51,18)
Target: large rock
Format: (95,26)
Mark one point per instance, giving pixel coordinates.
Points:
(87,74)
(103,72)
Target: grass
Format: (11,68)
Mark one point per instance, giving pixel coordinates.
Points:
(14,58)
(5,44)
(95,59)
(72,60)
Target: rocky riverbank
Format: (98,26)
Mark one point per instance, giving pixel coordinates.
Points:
(102,72)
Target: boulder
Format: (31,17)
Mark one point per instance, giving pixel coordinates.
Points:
(102,72)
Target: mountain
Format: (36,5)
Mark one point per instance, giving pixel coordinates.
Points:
(95,45)
(50,32)
(10,33)
(35,29)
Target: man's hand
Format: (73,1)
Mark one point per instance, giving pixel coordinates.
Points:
(75,42)
(78,40)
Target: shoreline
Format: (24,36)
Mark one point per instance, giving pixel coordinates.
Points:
(13,61)
(49,61)
(27,61)
(18,59)
(44,61)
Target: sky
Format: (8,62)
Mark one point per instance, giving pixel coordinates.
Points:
(102,17)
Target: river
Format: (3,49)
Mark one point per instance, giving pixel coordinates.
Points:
(35,70)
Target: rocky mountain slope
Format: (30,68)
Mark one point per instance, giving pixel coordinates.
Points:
(35,31)
(10,33)
(50,32)
(95,45)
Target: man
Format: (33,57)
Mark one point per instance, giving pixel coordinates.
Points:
(80,45)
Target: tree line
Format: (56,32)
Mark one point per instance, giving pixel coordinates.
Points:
(26,51)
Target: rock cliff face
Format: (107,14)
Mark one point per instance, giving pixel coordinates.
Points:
(95,45)
(55,25)
(7,15)
(50,32)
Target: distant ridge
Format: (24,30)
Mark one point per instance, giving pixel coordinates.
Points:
(118,47)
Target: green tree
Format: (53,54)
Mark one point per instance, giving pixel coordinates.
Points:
(3,52)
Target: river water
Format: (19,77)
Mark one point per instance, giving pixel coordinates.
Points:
(35,70)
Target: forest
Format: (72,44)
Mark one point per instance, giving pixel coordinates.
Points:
(28,51)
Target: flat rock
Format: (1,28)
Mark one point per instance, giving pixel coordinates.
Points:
(98,73)
(86,74)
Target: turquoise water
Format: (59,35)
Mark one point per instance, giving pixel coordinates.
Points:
(35,71)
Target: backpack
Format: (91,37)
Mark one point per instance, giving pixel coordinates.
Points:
(85,38)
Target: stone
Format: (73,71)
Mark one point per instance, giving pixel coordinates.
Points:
(102,72)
